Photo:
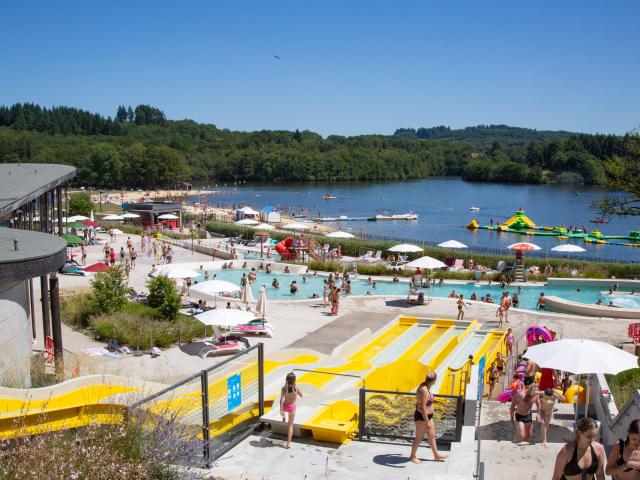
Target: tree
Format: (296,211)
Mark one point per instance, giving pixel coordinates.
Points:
(121,115)
(109,290)
(169,309)
(130,115)
(80,204)
(159,288)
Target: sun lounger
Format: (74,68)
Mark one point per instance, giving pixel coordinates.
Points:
(500,266)
(457,265)
(367,257)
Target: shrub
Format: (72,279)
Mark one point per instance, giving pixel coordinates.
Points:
(170,307)
(624,386)
(80,204)
(109,290)
(159,288)
(75,311)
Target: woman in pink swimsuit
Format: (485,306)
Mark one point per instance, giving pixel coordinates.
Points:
(288,396)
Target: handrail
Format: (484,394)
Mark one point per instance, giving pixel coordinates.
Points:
(364,385)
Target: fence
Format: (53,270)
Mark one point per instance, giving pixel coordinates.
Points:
(221,405)
(389,415)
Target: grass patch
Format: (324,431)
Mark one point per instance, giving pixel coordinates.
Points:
(623,386)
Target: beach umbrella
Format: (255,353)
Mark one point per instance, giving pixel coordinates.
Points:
(72,239)
(581,356)
(90,223)
(247,295)
(452,244)
(568,248)
(426,262)
(215,287)
(248,211)
(261,306)
(117,231)
(405,248)
(130,215)
(524,247)
(76,225)
(76,218)
(113,217)
(168,216)
(225,317)
(97,267)
(297,226)
(265,226)
(247,221)
(340,235)
(176,271)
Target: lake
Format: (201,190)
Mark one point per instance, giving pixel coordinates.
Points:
(442,205)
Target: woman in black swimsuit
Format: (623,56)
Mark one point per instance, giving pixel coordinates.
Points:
(582,459)
(423,416)
(624,459)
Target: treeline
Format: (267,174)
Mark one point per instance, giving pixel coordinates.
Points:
(140,148)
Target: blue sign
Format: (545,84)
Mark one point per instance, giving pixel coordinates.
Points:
(234,392)
(481,369)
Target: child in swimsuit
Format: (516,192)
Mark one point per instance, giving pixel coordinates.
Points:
(288,396)
(492,373)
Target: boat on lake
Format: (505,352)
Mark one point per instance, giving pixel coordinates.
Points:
(329,196)
(401,216)
(474,208)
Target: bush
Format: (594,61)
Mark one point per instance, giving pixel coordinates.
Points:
(76,311)
(80,204)
(170,307)
(159,288)
(109,290)
(623,386)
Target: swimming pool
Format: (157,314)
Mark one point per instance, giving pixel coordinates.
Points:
(309,285)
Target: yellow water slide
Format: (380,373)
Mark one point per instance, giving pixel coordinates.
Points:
(519,220)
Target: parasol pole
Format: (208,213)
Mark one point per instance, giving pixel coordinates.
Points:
(586,404)
(576,400)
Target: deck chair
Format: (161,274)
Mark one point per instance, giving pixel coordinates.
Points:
(458,264)
(325,250)
(377,256)
(366,257)
(500,266)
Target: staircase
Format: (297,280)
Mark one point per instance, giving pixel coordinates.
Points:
(519,272)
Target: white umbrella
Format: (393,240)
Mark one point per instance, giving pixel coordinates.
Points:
(264,226)
(116,231)
(168,216)
(581,356)
(261,306)
(405,248)
(247,295)
(176,271)
(426,262)
(297,226)
(213,287)
(113,217)
(76,218)
(130,215)
(524,246)
(452,244)
(225,317)
(340,235)
(247,221)
(568,248)
(248,211)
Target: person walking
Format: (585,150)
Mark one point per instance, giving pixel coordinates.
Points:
(122,256)
(624,460)
(112,257)
(506,304)
(508,342)
(325,293)
(583,458)
(547,401)
(461,307)
(520,412)
(132,257)
(423,417)
(288,397)
(83,253)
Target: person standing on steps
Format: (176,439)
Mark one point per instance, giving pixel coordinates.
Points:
(423,416)
(520,412)
(288,397)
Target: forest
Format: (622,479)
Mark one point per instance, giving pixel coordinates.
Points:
(140,148)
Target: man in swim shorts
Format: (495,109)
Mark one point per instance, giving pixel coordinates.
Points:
(520,412)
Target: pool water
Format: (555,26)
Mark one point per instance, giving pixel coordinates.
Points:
(359,286)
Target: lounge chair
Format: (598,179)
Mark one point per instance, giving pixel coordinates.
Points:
(458,265)
(500,266)
(366,257)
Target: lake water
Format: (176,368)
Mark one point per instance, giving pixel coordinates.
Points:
(442,205)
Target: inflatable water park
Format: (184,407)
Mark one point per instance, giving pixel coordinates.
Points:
(523,225)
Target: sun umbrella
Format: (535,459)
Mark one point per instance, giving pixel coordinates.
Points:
(176,271)
(97,267)
(72,239)
(117,231)
(405,248)
(340,235)
(581,356)
(247,221)
(168,216)
(265,226)
(90,223)
(248,211)
(76,225)
(225,317)
(113,217)
(213,287)
(261,306)
(247,295)
(76,218)
(452,244)
(568,248)
(297,226)
(426,262)
(524,247)
(130,215)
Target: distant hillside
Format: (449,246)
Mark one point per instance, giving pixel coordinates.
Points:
(483,136)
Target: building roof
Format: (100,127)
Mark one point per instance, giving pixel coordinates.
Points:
(22,182)
(37,254)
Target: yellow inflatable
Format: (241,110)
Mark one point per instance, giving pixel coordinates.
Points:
(571,393)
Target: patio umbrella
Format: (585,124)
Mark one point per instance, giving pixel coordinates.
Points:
(90,223)
(581,356)
(248,211)
(215,287)
(247,295)
(524,247)
(130,215)
(452,244)
(340,235)
(265,226)
(261,306)
(76,218)
(247,221)
(76,225)
(113,217)
(405,248)
(168,216)
(297,226)
(72,239)
(97,267)
(426,262)
(568,248)
(176,271)
(225,317)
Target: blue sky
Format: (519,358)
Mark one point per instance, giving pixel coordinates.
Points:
(346,67)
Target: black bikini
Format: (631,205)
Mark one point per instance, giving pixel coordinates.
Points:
(572,468)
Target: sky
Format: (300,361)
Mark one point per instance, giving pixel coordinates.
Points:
(346,67)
